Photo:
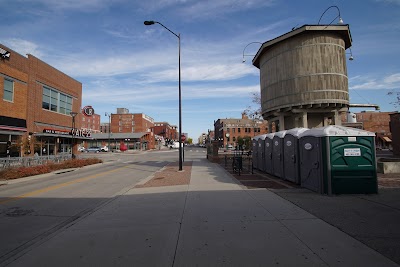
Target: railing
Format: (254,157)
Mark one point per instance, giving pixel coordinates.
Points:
(32,161)
(240,162)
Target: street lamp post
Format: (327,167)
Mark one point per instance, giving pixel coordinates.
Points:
(151,22)
(73,115)
(109,129)
(244,60)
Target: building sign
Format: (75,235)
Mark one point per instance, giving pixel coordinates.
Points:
(76,132)
(82,132)
(53,131)
(88,111)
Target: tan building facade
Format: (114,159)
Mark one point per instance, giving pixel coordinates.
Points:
(303,76)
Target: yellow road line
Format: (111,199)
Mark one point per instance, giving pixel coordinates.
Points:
(53,187)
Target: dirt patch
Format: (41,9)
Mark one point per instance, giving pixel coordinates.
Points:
(170,175)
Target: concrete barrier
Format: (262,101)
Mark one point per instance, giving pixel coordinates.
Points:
(386,165)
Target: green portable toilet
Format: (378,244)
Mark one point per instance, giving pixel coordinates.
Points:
(338,160)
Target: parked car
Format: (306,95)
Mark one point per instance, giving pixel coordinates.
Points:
(104,149)
(81,149)
(175,145)
(94,149)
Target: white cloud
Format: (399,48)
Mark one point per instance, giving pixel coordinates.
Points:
(396,2)
(370,83)
(24,47)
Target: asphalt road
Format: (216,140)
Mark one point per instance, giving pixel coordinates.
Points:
(35,209)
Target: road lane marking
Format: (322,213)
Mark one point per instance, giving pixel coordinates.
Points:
(53,187)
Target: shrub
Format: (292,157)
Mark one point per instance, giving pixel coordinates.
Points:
(19,172)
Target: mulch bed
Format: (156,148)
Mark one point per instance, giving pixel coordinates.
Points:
(170,175)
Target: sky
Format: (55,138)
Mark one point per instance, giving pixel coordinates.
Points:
(122,63)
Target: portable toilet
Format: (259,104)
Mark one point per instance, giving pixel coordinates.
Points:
(268,153)
(338,160)
(261,152)
(254,151)
(291,154)
(277,154)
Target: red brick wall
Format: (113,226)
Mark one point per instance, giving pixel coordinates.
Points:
(16,68)
(91,122)
(42,73)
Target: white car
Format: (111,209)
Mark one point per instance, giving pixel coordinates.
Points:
(104,149)
(175,145)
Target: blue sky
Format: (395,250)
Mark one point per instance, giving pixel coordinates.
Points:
(124,64)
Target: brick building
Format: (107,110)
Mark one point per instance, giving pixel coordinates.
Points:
(227,131)
(133,131)
(91,122)
(164,129)
(377,122)
(36,105)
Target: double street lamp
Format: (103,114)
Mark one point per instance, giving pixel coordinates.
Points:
(151,22)
(73,115)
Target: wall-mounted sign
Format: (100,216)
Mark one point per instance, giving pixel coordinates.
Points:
(81,132)
(88,111)
(53,131)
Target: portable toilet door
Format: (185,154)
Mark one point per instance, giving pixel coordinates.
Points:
(261,153)
(291,154)
(268,153)
(351,161)
(311,163)
(277,154)
(254,152)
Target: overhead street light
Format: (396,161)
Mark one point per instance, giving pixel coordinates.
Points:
(340,21)
(244,60)
(151,22)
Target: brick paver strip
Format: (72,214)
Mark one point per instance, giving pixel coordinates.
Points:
(170,175)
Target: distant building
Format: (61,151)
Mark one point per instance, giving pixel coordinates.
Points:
(377,122)
(227,131)
(91,122)
(164,129)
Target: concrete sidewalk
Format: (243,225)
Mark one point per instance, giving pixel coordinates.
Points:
(213,221)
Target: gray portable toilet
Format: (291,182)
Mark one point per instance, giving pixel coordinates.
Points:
(268,152)
(338,160)
(277,154)
(261,152)
(254,152)
(291,154)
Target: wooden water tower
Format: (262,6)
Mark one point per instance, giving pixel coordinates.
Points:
(303,76)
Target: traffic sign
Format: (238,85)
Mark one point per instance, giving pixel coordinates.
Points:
(183,138)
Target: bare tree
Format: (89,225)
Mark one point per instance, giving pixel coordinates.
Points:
(254,110)
(396,102)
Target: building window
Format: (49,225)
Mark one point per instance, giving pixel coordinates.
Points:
(56,101)
(233,130)
(238,130)
(8,90)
